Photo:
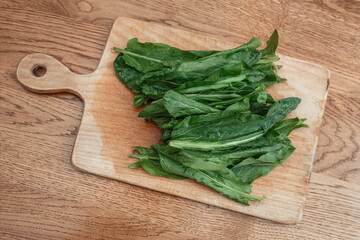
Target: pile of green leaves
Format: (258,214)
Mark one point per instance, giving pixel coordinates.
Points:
(219,126)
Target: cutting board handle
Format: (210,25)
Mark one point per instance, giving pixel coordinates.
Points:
(44,74)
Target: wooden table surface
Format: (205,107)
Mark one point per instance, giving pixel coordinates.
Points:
(43,197)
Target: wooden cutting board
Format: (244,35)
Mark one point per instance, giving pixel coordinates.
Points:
(110,126)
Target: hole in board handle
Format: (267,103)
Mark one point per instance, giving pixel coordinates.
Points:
(39,71)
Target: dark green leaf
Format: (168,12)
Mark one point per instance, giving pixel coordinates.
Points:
(126,74)
(150,161)
(287,126)
(223,181)
(178,105)
(140,99)
(268,54)
(155,109)
(251,168)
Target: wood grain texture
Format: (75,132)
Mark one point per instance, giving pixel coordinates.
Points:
(38,131)
(110,122)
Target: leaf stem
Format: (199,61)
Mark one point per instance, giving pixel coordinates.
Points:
(135,54)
